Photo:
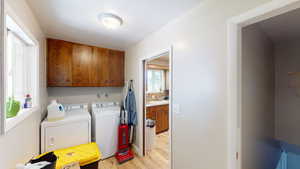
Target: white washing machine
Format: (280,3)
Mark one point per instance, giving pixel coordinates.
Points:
(105,121)
(74,129)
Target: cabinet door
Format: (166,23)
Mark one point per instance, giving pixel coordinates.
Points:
(162,118)
(116,68)
(71,64)
(100,67)
(59,63)
(81,65)
(166,118)
(150,114)
(159,121)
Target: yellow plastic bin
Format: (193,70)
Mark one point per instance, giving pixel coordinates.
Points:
(88,156)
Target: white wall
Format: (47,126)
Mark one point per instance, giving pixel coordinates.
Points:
(258,100)
(85,94)
(287,94)
(22,142)
(199,44)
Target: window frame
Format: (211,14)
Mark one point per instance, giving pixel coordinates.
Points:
(8,124)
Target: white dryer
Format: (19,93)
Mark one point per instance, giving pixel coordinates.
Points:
(105,121)
(74,129)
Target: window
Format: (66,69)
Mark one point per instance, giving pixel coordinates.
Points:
(155,81)
(21,74)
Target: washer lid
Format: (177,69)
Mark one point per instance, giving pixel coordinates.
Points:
(106,109)
(69,118)
(105,105)
(74,113)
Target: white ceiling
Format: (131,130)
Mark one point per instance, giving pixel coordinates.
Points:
(76,20)
(283,27)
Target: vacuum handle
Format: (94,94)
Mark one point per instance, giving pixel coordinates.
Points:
(122,115)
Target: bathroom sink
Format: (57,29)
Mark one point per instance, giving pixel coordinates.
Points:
(157,103)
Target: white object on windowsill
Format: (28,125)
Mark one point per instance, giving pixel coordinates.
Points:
(22,115)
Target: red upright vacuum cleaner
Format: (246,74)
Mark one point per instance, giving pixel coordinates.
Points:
(124,152)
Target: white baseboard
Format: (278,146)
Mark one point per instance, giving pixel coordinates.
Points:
(137,150)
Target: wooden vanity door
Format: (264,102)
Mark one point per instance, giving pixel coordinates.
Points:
(165,117)
(159,120)
(151,114)
(162,118)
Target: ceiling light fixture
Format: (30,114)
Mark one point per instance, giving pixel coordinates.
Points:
(110,20)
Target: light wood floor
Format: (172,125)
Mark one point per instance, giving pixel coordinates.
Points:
(158,158)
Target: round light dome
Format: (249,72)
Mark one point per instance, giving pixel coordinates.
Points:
(110,21)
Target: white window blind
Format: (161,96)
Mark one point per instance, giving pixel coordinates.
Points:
(19,69)
(155,81)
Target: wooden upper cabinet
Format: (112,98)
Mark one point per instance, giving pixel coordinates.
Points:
(100,67)
(71,64)
(59,63)
(81,65)
(116,67)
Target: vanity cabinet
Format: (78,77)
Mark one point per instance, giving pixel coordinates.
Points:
(71,64)
(160,114)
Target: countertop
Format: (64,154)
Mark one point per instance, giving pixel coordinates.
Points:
(157,103)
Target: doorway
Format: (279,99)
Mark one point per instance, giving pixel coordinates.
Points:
(157,115)
(255,119)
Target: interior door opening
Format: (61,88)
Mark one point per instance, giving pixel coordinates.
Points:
(157,112)
(268,134)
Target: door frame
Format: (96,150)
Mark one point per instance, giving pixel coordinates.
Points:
(234,67)
(2,61)
(142,97)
